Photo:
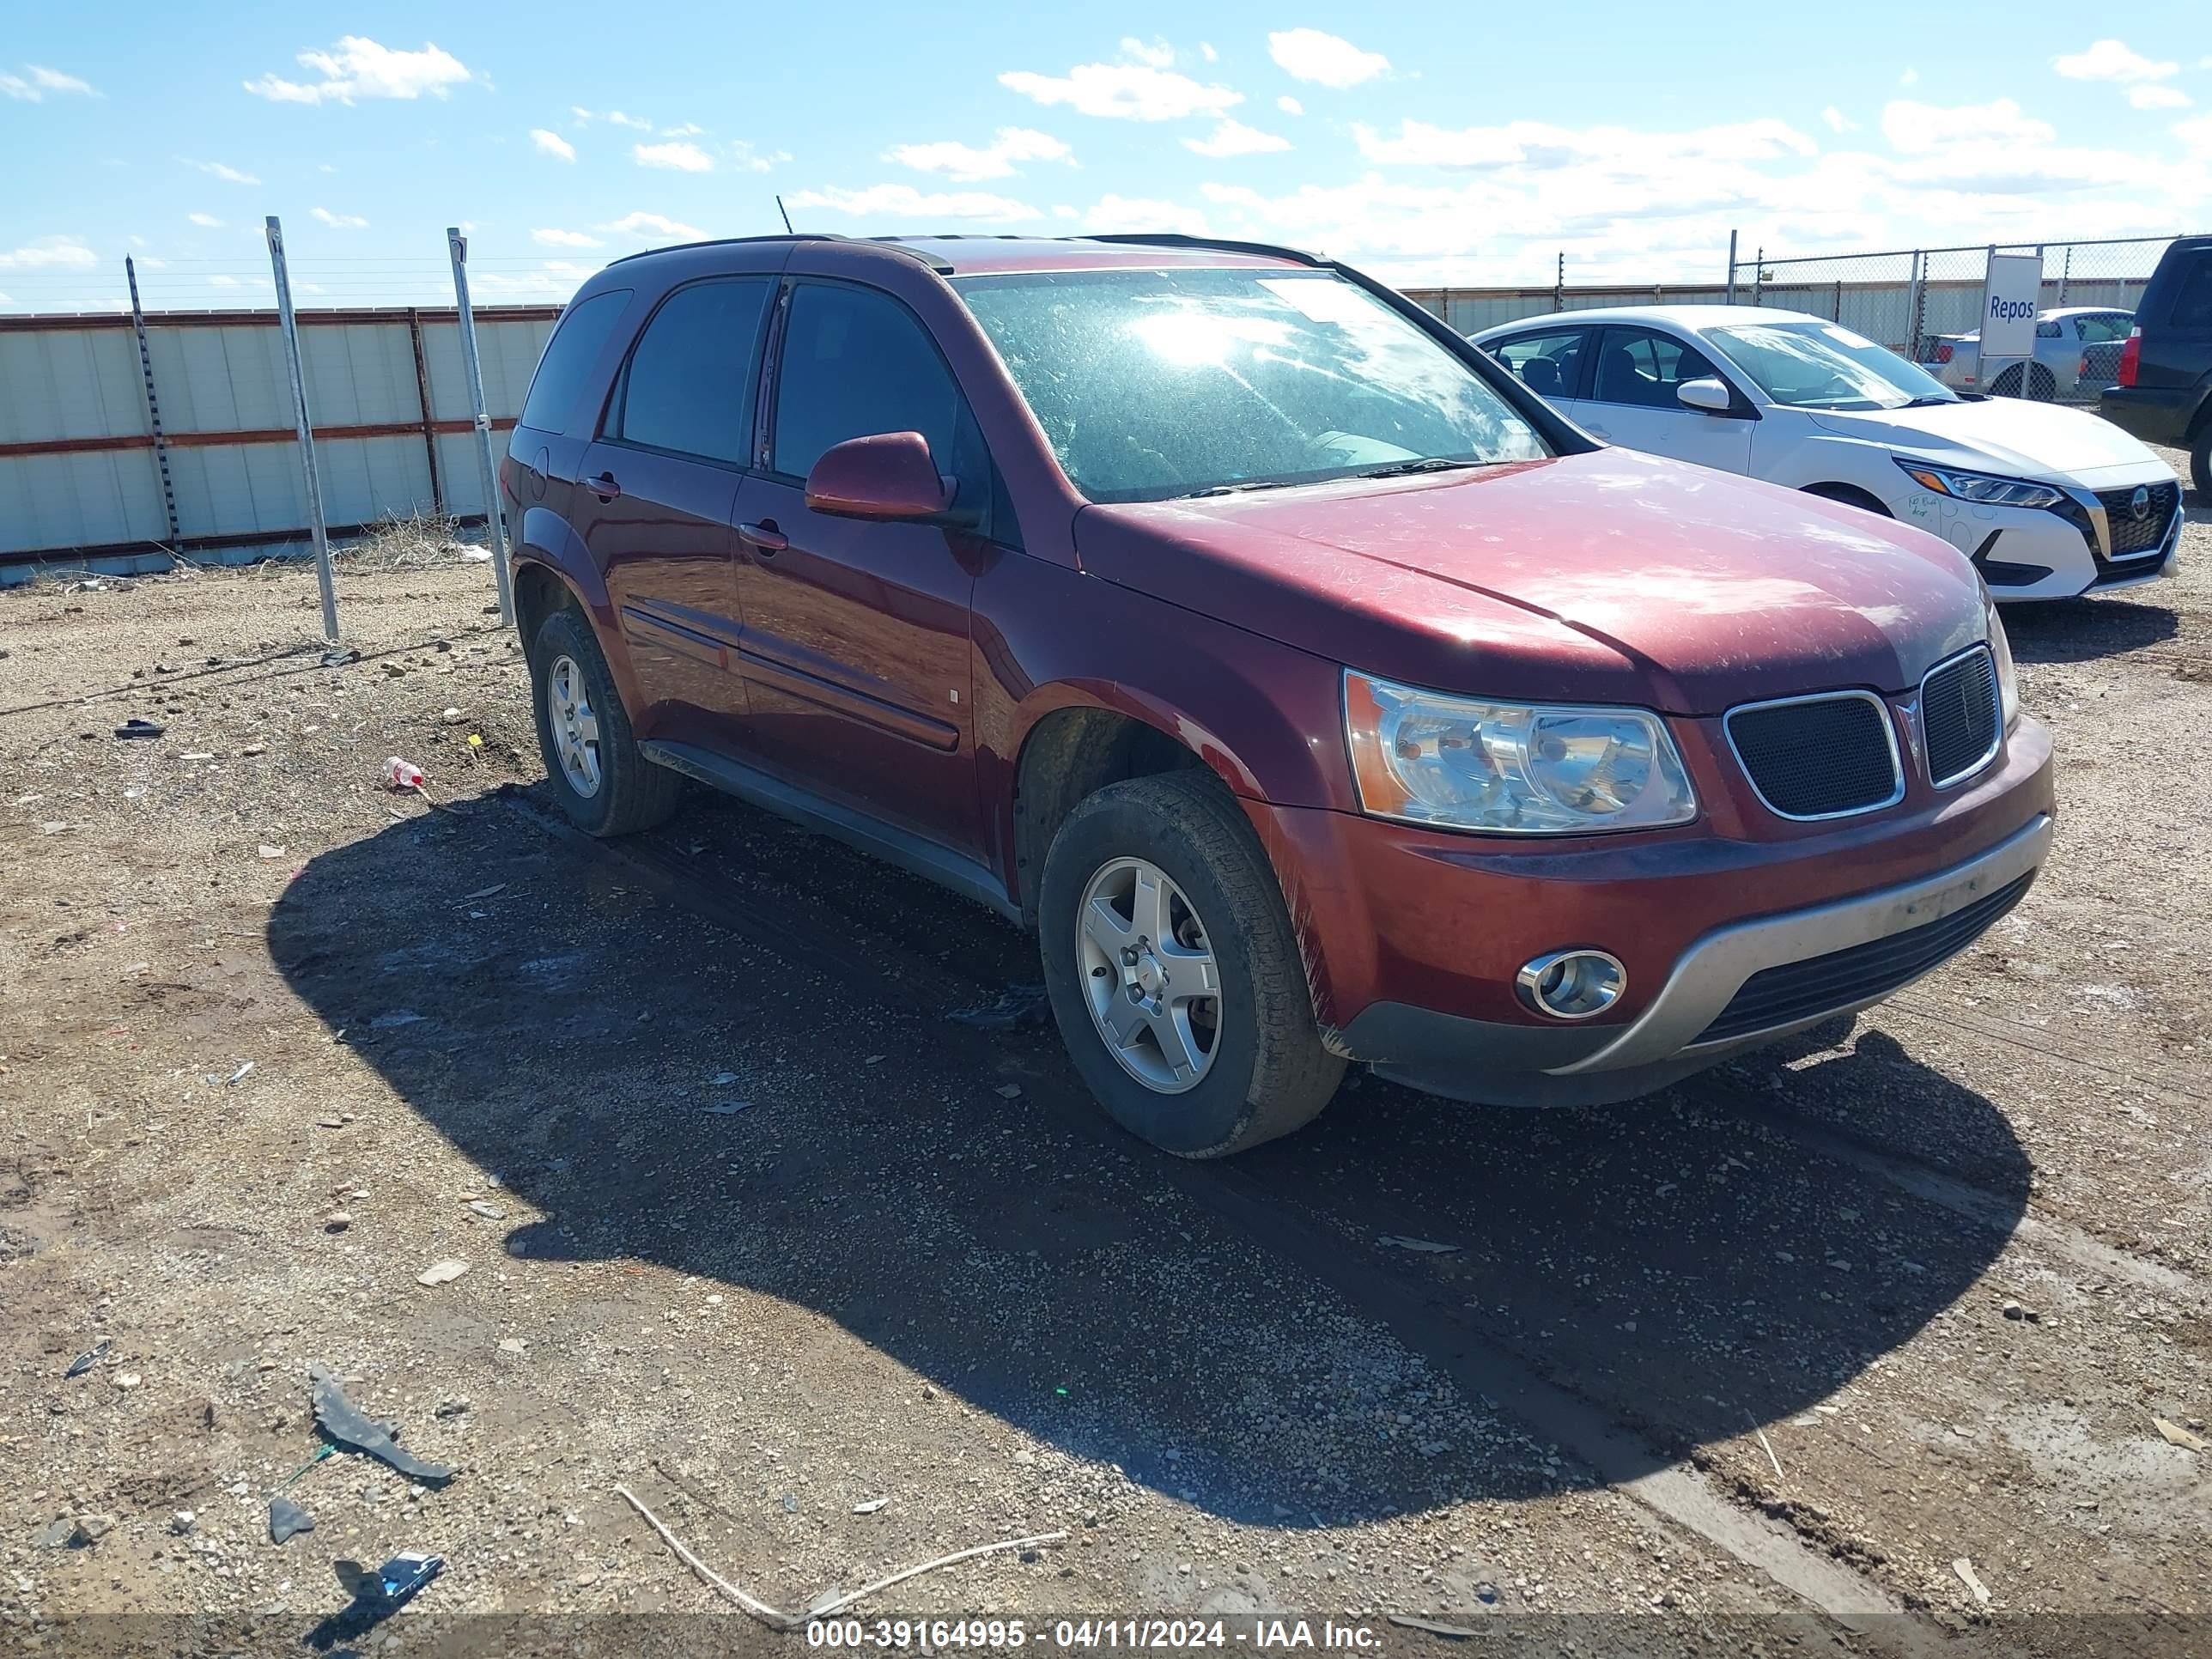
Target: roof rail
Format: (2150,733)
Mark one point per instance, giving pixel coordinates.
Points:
(780,236)
(1177,239)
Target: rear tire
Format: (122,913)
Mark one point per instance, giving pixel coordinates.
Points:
(1264,1070)
(604,785)
(2042,385)
(2200,463)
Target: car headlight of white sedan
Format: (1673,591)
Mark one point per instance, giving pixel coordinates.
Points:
(1511,768)
(1982,488)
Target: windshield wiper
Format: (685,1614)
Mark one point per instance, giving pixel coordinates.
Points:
(1929,402)
(1238,488)
(1430,463)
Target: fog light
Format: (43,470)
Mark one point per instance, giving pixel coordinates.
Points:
(1572,984)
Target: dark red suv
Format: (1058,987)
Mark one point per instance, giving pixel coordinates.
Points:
(1314,690)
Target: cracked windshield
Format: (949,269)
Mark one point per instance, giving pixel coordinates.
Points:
(1158,384)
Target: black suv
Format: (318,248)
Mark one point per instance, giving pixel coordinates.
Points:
(2164,390)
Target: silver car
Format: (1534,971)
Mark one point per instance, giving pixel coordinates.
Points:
(2070,365)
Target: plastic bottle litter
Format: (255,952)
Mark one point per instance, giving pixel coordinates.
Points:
(403,774)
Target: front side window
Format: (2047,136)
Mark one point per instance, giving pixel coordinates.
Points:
(688,386)
(1642,366)
(856,363)
(1549,364)
(1156,384)
(570,355)
(1815,365)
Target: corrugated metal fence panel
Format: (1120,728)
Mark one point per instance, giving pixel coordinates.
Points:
(507,350)
(221,379)
(229,490)
(84,500)
(78,383)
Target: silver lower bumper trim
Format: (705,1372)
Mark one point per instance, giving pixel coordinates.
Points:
(1711,971)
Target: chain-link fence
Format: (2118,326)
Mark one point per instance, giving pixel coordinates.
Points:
(1925,304)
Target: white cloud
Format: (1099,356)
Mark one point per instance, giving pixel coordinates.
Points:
(1910,77)
(1234,138)
(1918,129)
(220,281)
(2112,60)
(50,253)
(204,221)
(688,129)
(1539,146)
(1838,121)
(746,159)
(622,120)
(549,142)
(905,202)
(1127,91)
(217,170)
(2195,135)
(358,67)
(551,238)
(1328,60)
(654,224)
(583,116)
(680,157)
(339,221)
(33,86)
(1141,213)
(1158,53)
(965,164)
(1062,210)
(1290,105)
(1205,51)
(2150,96)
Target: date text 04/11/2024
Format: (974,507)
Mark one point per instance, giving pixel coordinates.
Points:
(1259,1633)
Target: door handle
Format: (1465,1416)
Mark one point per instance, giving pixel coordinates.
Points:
(604,487)
(763,537)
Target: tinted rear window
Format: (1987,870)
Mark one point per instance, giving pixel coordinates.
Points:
(690,384)
(2192,306)
(569,358)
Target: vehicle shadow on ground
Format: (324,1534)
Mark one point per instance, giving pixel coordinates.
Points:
(1677,1261)
(2078,630)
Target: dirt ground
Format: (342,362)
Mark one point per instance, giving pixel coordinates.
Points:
(1865,1345)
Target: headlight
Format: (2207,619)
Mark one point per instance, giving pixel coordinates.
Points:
(1541,770)
(1980,487)
(2008,676)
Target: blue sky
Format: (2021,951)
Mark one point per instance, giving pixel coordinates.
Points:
(1463,143)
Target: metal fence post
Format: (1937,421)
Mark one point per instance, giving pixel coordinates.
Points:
(1758,278)
(2066,274)
(1730,298)
(152,403)
(290,324)
(458,245)
(1559,283)
(1914,303)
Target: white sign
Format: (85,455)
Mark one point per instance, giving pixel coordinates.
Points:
(2009,300)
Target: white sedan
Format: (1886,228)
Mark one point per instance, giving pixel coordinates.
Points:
(2047,502)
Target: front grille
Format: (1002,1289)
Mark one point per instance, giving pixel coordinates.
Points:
(2134,535)
(1800,991)
(1818,757)
(1958,715)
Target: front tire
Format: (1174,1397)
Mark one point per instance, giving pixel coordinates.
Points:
(604,785)
(1174,972)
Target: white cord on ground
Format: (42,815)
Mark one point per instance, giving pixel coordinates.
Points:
(778,1619)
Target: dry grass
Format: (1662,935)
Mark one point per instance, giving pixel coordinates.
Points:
(412,541)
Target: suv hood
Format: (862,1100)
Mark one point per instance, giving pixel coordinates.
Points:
(2011,435)
(1607,577)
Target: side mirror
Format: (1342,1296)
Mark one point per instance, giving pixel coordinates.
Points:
(1707,392)
(889,477)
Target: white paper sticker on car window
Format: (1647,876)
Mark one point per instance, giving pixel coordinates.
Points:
(1321,299)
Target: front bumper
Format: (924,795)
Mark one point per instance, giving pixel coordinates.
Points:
(2048,553)
(1733,934)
